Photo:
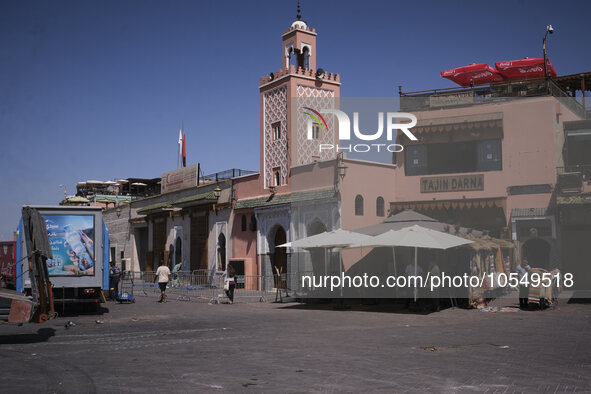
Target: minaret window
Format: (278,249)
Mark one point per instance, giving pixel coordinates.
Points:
(304,58)
(315,131)
(276,127)
(298,58)
(292,57)
(277,176)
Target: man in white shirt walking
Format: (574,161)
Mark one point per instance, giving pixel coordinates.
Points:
(163,277)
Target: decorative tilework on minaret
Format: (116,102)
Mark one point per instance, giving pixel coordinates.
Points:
(276,152)
(307,150)
(283,94)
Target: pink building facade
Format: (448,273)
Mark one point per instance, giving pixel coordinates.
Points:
(488,164)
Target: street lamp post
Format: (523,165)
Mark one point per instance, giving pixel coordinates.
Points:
(217,192)
(341,170)
(549,29)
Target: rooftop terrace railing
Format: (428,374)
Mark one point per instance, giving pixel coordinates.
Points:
(227,174)
(494,93)
(584,169)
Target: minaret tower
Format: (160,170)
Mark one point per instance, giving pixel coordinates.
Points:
(283,96)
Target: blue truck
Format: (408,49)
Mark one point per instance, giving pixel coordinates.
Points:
(79,241)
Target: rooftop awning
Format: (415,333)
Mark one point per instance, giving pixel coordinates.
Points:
(196,199)
(188,201)
(77,199)
(447,204)
(528,212)
(154,207)
(454,123)
(574,82)
(285,199)
(578,128)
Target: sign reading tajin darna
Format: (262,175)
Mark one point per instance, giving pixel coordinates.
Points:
(454,183)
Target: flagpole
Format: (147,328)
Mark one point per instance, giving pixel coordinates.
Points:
(178,154)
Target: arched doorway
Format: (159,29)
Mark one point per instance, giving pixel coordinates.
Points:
(317,255)
(537,253)
(279,254)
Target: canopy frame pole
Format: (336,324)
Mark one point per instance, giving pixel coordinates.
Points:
(341,269)
(325,261)
(415,289)
(395,274)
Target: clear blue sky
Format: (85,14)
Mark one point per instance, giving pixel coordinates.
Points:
(98,90)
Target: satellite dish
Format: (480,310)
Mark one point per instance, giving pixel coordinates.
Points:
(271,76)
(320,73)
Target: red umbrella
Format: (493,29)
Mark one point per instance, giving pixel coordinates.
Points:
(477,74)
(525,68)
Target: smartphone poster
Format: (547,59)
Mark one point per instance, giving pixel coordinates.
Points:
(72,242)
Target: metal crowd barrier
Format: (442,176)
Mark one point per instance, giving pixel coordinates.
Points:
(208,286)
(143,283)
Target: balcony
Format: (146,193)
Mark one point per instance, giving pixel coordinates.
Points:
(573,179)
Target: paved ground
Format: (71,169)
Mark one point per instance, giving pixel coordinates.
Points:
(264,347)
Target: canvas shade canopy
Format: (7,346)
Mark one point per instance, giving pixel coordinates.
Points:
(525,68)
(77,200)
(415,237)
(409,218)
(474,74)
(330,239)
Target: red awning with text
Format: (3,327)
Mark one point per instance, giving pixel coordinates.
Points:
(474,74)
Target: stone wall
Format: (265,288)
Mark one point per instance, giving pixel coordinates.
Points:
(119,234)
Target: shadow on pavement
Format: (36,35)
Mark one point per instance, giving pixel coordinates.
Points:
(42,335)
(72,310)
(423,307)
(580,297)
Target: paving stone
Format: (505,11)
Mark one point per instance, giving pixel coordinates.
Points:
(263,347)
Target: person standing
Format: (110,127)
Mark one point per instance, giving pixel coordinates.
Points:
(163,277)
(230,282)
(522,271)
(175,274)
(114,276)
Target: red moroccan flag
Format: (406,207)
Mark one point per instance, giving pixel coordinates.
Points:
(184,154)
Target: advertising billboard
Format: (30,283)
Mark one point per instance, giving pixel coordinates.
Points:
(72,242)
(182,178)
